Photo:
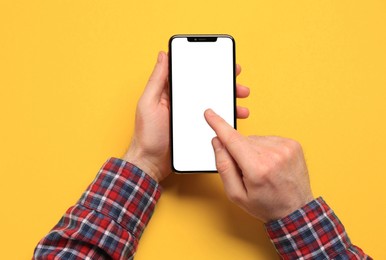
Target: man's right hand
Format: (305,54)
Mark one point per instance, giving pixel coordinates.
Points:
(265,175)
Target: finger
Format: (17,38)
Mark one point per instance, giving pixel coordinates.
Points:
(158,78)
(238,69)
(235,143)
(164,100)
(242,112)
(165,93)
(229,172)
(242,91)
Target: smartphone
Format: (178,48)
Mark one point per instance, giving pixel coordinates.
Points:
(201,75)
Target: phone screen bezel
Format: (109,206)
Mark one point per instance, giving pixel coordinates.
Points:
(199,37)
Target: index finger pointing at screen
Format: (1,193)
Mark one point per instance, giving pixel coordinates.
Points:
(234,142)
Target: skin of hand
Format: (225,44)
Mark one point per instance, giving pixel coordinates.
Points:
(264,175)
(150,146)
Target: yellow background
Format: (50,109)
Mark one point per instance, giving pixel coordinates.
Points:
(71,73)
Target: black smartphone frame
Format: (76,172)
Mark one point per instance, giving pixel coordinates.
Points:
(198,38)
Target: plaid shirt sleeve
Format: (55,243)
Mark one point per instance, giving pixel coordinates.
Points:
(108,220)
(312,232)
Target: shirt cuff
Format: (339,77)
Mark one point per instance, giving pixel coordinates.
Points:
(124,193)
(313,231)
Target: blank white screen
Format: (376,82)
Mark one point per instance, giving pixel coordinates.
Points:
(202,77)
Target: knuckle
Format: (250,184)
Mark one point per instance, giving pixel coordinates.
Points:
(266,169)
(291,147)
(253,139)
(223,165)
(269,165)
(277,159)
(293,143)
(260,178)
(151,80)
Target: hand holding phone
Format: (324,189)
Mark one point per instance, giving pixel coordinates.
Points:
(150,146)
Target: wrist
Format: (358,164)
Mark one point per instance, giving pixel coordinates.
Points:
(293,206)
(138,158)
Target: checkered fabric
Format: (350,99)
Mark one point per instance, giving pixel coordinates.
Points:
(108,220)
(312,232)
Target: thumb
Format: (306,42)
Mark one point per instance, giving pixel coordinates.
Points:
(229,172)
(158,79)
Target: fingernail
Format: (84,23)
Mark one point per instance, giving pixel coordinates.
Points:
(160,57)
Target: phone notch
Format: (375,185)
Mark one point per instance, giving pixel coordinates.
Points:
(202,39)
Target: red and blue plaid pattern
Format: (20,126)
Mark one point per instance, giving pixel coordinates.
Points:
(312,232)
(108,220)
